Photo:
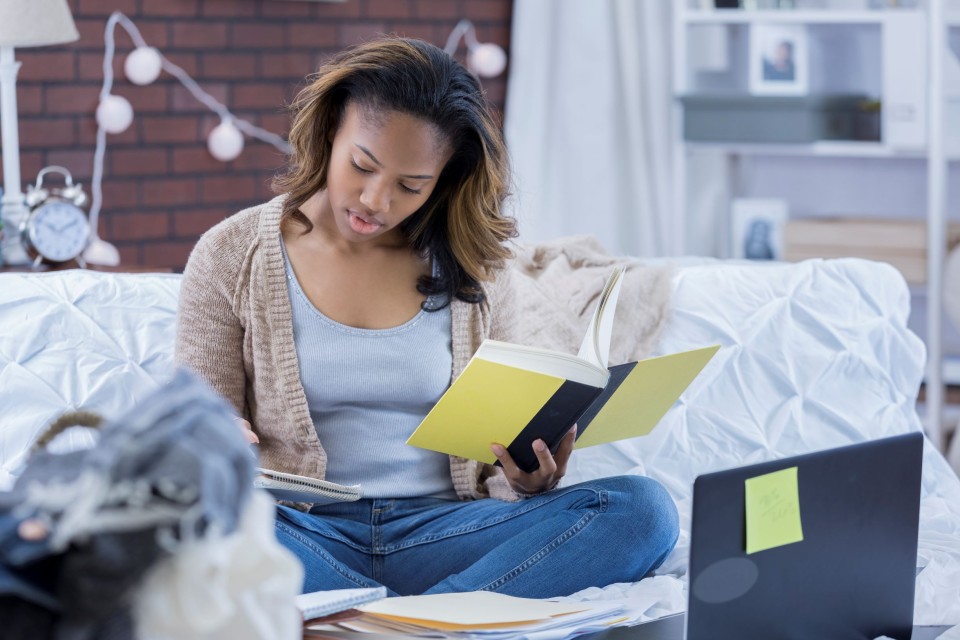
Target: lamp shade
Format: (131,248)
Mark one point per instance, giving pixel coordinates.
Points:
(36,23)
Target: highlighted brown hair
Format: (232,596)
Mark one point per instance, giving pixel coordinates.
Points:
(462,226)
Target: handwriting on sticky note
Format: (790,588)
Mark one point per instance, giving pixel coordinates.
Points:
(773,510)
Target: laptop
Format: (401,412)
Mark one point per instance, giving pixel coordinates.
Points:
(852,575)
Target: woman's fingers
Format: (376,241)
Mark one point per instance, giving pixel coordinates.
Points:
(519,480)
(547,475)
(510,468)
(247,430)
(548,466)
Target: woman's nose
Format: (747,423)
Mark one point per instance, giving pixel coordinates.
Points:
(376,196)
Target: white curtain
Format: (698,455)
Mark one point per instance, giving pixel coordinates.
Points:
(588,122)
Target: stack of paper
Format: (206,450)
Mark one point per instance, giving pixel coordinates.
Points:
(478,614)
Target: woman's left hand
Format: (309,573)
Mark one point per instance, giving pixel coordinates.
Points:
(552,466)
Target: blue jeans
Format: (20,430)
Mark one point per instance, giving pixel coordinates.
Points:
(590,534)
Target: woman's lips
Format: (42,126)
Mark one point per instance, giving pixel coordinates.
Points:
(361,224)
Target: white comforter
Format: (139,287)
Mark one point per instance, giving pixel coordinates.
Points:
(814,355)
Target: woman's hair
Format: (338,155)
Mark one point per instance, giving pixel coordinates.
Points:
(462,226)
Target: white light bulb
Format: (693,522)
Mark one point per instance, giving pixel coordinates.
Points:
(114,114)
(225,142)
(143,65)
(487,60)
(101,252)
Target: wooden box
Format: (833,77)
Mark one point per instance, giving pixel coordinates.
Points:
(902,243)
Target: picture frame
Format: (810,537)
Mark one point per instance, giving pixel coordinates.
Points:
(756,228)
(779,63)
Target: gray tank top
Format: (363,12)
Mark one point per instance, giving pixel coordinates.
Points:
(368,389)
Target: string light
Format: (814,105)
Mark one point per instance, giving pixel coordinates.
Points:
(226,141)
(485,59)
(115,114)
(143,65)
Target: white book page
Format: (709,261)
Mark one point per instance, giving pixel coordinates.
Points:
(545,361)
(596,343)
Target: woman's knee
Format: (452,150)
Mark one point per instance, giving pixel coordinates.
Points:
(649,509)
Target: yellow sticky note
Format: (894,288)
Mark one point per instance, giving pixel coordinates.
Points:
(773,510)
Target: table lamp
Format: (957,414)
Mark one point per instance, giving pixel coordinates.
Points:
(23,23)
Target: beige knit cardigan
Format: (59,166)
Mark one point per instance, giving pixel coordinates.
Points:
(235,329)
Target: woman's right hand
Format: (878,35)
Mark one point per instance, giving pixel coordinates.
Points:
(247,430)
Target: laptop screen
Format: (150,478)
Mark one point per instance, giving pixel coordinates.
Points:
(830,550)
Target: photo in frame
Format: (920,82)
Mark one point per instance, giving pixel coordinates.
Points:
(778,59)
(756,228)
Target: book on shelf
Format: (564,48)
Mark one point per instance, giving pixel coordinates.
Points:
(913,268)
(512,394)
(899,242)
(293,488)
(867,234)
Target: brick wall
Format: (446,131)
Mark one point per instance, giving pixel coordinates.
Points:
(161,187)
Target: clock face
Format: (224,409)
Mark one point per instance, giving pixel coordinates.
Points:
(58,231)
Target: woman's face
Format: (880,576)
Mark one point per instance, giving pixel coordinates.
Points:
(382,169)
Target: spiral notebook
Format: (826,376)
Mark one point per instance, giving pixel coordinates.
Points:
(294,488)
(324,603)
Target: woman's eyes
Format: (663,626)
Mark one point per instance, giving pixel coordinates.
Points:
(369,171)
(359,168)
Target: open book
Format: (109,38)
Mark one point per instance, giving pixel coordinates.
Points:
(294,488)
(512,394)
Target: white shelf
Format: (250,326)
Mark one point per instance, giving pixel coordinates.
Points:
(910,30)
(825,148)
(822,149)
(951,370)
(797,16)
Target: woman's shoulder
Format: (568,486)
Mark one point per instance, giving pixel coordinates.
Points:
(231,239)
(500,294)
(238,230)
(501,282)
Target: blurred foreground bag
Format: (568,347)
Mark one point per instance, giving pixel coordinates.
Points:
(80,531)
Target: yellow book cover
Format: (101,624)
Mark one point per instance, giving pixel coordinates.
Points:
(513,395)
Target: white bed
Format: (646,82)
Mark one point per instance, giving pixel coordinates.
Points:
(814,355)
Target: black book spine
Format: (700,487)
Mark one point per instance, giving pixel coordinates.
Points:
(552,422)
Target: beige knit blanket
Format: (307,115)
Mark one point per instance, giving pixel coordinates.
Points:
(559,283)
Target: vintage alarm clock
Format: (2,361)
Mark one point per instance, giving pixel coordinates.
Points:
(56,230)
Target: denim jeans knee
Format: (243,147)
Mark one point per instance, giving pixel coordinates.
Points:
(649,513)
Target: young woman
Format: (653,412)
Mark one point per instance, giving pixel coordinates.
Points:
(334,316)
